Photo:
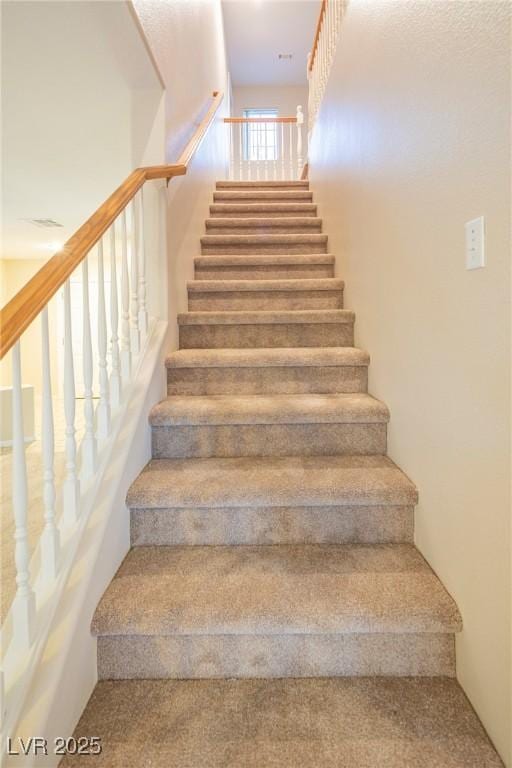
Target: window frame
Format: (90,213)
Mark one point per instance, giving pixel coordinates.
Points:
(260,151)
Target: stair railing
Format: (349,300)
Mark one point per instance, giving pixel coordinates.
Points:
(104,279)
(265,148)
(322,53)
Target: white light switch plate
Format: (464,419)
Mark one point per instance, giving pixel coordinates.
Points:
(475,243)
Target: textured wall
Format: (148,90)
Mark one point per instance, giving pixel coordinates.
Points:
(186,38)
(413,140)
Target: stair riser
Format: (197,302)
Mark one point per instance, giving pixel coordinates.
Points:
(244,212)
(263,300)
(268,196)
(272,525)
(265,272)
(232,440)
(211,249)
(285,380)
(267,335)
(249,656)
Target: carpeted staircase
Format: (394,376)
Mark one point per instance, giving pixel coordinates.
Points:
(271,535)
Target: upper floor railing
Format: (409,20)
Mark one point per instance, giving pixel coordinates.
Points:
(80,326)
(322,53)
(265,148)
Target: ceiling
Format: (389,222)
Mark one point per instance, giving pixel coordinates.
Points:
(257,31)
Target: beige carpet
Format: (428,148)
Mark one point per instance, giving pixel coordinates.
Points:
(315,723)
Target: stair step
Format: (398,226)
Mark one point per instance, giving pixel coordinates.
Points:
(305,328)
(246,244)
(297,370)
(262,185)
(263,225)
(328,499)
(293,610)
(267,195)
(257,210)
(355,722)
(258,425)
(265,267)
(233,295)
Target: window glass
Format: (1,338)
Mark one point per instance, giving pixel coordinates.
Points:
(260,140)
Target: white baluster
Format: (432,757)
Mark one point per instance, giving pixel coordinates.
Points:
(290,151)
(89,446)
(50,538)
(134,281)
(300,121)
(274,159)
(24,604)
(115,375)
(126,357)
(241,150)
(258,144)
(143,314)
(103,410)
(71,485)
(265,144)
(231,152)
(283,174)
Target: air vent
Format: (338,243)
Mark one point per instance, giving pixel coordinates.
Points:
(45,223)
(285,56)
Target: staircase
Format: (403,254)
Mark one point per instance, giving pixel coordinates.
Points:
(272,537)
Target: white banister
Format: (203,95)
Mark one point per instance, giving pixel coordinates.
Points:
(50,538)
(89,446)
(71,486)
(134,282)
(126,357)
(141,247)
(103,410)
(23,607)
(281,149)
(115,375)
(321,57)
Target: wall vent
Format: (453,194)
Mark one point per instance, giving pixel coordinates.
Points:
(46,223)
(285,56)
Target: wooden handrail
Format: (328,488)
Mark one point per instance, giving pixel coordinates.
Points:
(323,8)
(260,119)
(25,306)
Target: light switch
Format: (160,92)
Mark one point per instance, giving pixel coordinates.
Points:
(475,243)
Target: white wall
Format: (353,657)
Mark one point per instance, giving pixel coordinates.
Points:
(187,41)
(80,97)
(284,98)
(412,141)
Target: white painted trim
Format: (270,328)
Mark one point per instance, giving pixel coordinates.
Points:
(63,683)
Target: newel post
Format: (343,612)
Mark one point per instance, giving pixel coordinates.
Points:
(300,121)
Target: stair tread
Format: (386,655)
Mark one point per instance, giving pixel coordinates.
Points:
(267,259)
(281,284)
(262,184)
(263,239)
(191,410)
(267,357)
(265,194)
(271,481)
(283,221)
(248,317)
(312,723)
(262,207)
(267,590)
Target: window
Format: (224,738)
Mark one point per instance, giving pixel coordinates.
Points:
(260,140)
